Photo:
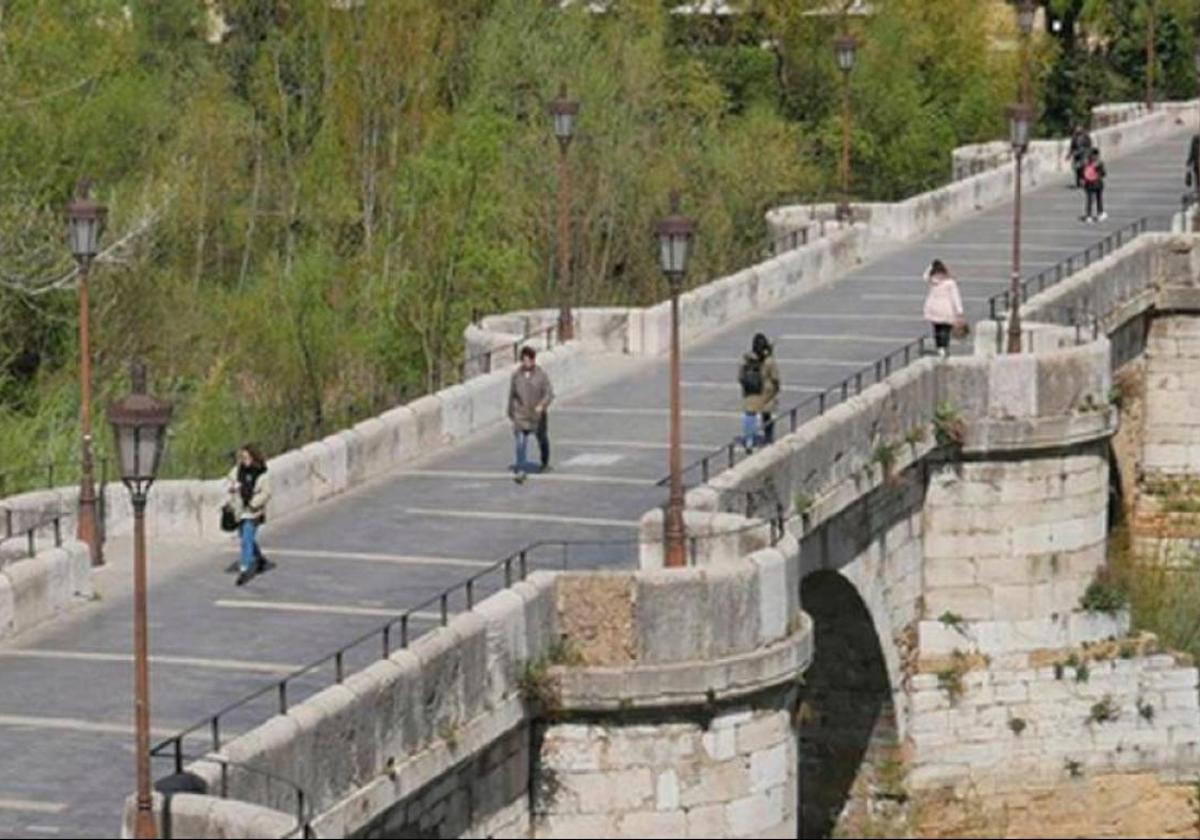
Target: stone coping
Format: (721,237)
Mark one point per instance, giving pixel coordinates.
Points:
(695,683)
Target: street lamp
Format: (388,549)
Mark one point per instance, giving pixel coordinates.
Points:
(1026,12)
(1150,54)
(675,235)
(139,423)
(85,224)
(1019,119)
(563,110)
(844,49)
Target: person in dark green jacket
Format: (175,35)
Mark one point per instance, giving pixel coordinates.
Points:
(759,378)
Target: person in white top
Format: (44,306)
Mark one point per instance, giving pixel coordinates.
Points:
(943,305)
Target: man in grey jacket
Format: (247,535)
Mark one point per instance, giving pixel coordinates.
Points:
(529,395)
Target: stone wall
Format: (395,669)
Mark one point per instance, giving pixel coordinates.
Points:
(38,588)
(731,774)
(472,729)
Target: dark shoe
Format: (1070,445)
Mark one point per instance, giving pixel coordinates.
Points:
(242,578)
(262,564)
(520,477)
(545,468)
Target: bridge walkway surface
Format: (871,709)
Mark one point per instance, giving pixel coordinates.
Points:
(65,688)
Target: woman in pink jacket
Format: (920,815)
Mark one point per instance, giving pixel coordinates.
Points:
(943,305)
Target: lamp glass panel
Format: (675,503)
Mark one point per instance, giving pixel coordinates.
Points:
(84,233)
(564,125)
(679,252)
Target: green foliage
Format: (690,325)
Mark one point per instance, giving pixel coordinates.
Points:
(311,210)
(1017,725)
(1103,596)
(1104,710)
(949,429)
(1162,596)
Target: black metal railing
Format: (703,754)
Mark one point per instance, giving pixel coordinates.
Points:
(409,624)
(303,802)
(481,363)
(28,533)
(730,454)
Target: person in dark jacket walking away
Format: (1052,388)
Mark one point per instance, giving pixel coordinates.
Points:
(249,492)
(759,378)
(1193,165)
(529,395)
(1081,146)
(1094,174)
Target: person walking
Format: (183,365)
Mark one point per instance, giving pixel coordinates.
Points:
(943,305)
(529,396)
(1094,174)
(1081,146)
(249,492)
(759,378)
(1193,165)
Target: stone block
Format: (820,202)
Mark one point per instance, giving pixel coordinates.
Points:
(774,595)
(339,461)
(581,826)
(374,454)
(733,606)
(973,603)
(507,641)
(666,791)
(607,793)
(457,423)
(769,768)
(402,443)
(291,483)
(31,587)
(321,470)
(652,824)
(753,814)
(707,821)
(431,435)
(673,618)
(489,399)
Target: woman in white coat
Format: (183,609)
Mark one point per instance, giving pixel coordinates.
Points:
(943,305)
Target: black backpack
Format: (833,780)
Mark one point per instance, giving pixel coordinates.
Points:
(751,377)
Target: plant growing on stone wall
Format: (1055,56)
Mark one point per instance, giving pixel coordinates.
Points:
(1194,801)
(564,651)
(1128,650)
(1017,725)
(1116,395)
(1058,670)
(803,504)
(954,621)
(890,780)
(885,456)
(1082,673)
(916,435)
(539,689)
(950,678)
(949,429)
(1104,710)
(449,732)
(1103,595)
(1145,710)
(1074,768)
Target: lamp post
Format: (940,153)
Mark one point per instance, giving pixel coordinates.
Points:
(564,110)
(844,49)
(1019,117)
(675,234)
(139,423)
(1150,56)
(85,224)
(1026,12)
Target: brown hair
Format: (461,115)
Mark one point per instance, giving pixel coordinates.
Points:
(255,454)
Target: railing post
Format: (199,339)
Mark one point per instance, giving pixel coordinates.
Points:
(522,564)
(821,404)
(387,640)
(179,754)
(404,631)
(471,594)
(216,732)
(57,532)
(445,604)
(283,704)
(338,670)
(508,571)
(704,469)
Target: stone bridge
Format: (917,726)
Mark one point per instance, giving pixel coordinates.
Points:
(516,713)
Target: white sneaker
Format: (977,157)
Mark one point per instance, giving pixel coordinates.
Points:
(1103,216)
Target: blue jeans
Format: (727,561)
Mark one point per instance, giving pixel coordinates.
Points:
(250,550)
(749,429)
(521,438)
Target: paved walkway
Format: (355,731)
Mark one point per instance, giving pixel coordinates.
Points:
(65,690)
